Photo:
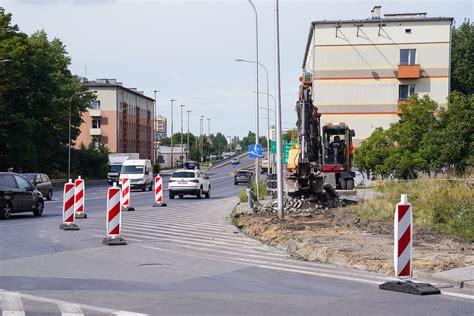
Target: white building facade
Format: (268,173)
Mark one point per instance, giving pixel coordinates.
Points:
(362,70)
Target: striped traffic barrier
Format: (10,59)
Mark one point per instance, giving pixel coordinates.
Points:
(68,208)
(79,198)
(403,253)
(126,195)
(114,217)
(158,192)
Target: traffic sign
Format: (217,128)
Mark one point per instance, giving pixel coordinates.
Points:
(255,151)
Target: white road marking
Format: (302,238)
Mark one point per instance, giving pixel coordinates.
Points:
(70,310)
(11,304)
(459,295)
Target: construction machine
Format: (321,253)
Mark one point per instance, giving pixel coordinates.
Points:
(321,161)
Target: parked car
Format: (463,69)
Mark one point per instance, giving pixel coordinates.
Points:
(191,165)
(140,173)
(17,194)
(242,176)
(189,182)
(41,182)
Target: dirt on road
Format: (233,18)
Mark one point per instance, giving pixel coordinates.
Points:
(338,236)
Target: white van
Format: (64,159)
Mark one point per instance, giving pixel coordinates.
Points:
(140,173)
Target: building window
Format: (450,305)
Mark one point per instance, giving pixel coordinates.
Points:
(405,91)
(407,31)
(95,105)
(95,123)
(95,142)
(407,56)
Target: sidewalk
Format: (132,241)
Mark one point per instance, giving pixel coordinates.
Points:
(460,277)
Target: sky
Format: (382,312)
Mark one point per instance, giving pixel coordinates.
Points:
(187,49)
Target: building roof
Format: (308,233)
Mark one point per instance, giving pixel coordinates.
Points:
(391,18)
(106,83)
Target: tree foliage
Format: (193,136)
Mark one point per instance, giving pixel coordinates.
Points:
(426,139)
(35,90)
(462,58)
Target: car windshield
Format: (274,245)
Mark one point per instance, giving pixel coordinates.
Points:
(191,165)
(115,168)
(183,174)
(132,170)
(241,173)
(29,176)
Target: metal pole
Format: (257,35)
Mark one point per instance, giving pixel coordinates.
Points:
(154,130)
(278,114)
(257,134)
(189,149)
(182,147)
(172,158)
(209,126)
(202,138)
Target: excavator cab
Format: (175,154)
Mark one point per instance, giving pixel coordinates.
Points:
(338,154)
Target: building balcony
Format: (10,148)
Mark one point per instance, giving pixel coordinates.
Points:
(95,132)
(399,105)
(408,72)
(95,113)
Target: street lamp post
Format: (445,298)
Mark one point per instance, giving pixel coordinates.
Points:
(182,147)
(202,137)
(189,150)
(69,131)
(270,162)
(268,105)
(278,114)
(257,134)
(209,132)
(154,129)
(172,158)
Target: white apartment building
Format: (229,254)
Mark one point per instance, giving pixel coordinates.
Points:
(161,127)
(232,139)
(362,70)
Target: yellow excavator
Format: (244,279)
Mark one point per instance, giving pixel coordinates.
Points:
(321,161)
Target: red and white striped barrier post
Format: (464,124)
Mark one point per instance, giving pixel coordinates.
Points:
(68,208)
(403,253)
(158,192)
(403,235)
(79,197)
(126,195)
(114,217)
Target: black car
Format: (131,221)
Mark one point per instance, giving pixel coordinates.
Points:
(17,195)
(242,176)
(41,182)
(191,165)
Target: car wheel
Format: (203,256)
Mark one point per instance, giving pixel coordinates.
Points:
(235,183)
(181,196)
(39,208)
(151,186)
(208,193)
(6,212)
(171,195)
(144,188)
(49,197)
(199,195)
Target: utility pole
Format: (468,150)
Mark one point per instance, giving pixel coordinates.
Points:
(202,138)
(257,134)
(182,147)
(278,114)
(189,149)
(172,158)
(154,129)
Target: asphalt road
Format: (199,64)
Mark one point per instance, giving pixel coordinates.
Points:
(183,259)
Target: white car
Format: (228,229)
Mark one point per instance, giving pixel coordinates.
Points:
(189,182)
(140,173)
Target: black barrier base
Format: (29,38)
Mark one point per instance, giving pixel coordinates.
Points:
(117,241)
(129,209)
(69,226)
(80,215)
(410,287)
(160,205)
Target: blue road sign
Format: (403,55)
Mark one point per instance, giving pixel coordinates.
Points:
(255,151)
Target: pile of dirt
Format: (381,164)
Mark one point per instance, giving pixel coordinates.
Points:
(339,236)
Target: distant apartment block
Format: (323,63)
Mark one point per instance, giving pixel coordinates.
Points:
(120,118)
(363,70)
(232,139)
(160,127)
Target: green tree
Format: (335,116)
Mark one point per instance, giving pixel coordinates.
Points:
(462,58)
(289,135)
(35,91)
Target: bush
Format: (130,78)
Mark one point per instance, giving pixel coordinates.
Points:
(156,168)
(262,191)
(445,205)
(243,196)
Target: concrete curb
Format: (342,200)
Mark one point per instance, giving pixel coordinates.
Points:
(462,278)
